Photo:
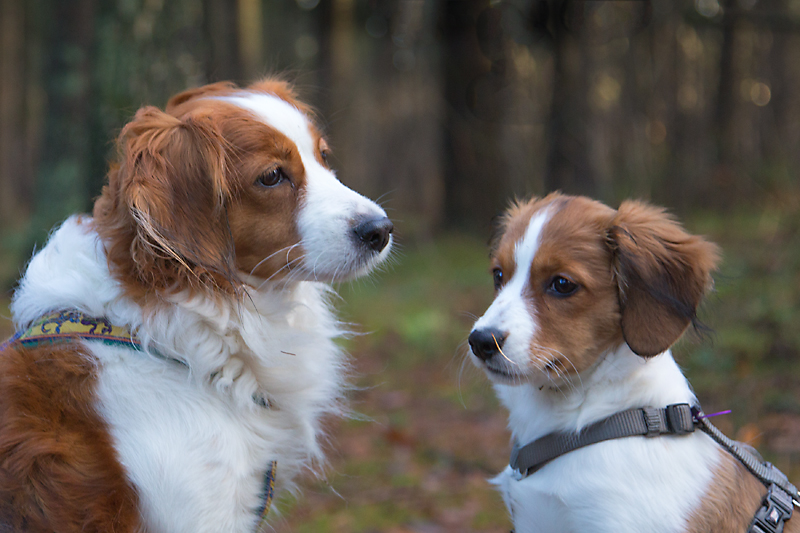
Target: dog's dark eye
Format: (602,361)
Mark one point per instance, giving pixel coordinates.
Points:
(497,275)
(561,286)
(272,177)
(324,151)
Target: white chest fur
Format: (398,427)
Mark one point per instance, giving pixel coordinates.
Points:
(196,460)
(196,440)
(633,484)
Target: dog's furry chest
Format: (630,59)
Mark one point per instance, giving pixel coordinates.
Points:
(626,485)
(195,457)
(195,439)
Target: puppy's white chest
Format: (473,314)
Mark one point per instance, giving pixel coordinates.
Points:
(196,460)
(627,485)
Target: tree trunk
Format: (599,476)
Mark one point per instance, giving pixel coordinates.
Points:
(251,42)
(64,171)
(568,164)
(724,113)
(475,188)
(14,178)
(776,144)
(223,61)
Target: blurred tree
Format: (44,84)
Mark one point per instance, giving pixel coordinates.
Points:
(475,71)
(61,187)
(15,176)
(568,165)
(223,61)
(724,116)
(251,31)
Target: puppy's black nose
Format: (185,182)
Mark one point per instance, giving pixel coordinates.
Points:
(374,232)
(487,342)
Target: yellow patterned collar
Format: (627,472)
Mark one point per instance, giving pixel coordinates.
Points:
(63,326)
(268,489)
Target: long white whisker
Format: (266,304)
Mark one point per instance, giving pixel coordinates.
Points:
(270,256)
(292,247)
(567,378)
(577,374)
(286,266)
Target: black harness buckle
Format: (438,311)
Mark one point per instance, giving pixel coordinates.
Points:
(773,513)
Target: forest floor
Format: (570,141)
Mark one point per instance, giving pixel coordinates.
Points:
(427,433)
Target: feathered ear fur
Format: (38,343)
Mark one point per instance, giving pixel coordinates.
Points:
(662,273)
(163,215)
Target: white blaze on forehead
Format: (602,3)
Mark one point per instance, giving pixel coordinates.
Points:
(510,312)
(525,249)
(281,115)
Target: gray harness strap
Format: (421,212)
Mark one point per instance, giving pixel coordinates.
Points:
(765,472)
(677,419)
(777,506)
(648,422)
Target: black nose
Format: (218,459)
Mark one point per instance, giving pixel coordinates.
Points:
(374,232)
(487,342)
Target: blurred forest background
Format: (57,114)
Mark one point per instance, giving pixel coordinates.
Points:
(446,109)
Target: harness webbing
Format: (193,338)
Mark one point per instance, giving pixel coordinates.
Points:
(677,419)
(765,472)
(647,422)
(782,495)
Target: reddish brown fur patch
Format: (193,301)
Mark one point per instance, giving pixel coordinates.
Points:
(732,499)
(183,208)
(58,469)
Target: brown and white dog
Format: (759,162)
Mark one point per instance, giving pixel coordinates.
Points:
(212,242)
(589,300)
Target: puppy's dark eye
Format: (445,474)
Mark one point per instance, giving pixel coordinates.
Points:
(497,275)
(561,286)
(272,177)
(324,155)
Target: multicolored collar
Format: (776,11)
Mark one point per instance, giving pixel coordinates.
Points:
(65,326)
(267,492)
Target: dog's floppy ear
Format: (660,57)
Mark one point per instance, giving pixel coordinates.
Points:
(662,273)
(170,187)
